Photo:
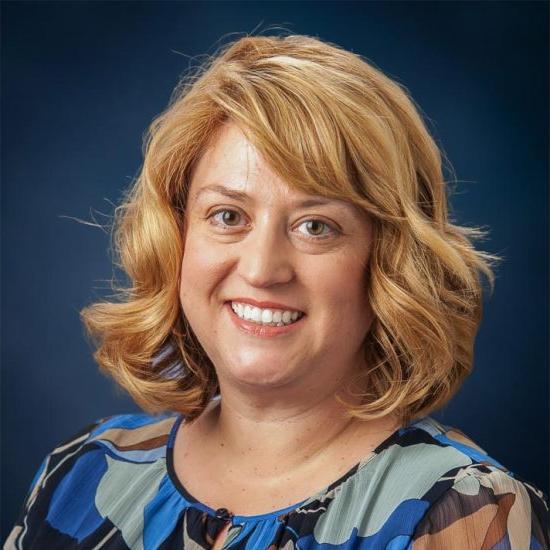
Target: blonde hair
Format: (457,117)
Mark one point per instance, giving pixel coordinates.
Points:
(328,122)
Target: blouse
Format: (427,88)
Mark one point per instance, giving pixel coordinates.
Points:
(427,486)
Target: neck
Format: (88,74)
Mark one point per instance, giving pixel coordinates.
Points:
(289,436)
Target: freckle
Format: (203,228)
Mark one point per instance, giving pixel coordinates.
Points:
(222,444)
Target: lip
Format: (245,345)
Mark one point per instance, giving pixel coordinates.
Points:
(262,330)
(263,304)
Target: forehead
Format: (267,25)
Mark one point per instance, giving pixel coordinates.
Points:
(231,164)
(230,158)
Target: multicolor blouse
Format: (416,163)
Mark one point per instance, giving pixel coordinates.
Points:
(427,486)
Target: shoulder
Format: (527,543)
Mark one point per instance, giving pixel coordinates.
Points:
(117,433)
(466,498)
(486,509)
(428,451)
(139,430)
(121,436)
(121,449)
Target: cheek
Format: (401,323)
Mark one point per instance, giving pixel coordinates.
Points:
(201,268)
(342,284)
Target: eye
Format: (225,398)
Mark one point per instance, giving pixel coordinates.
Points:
(315,228)
(227,217)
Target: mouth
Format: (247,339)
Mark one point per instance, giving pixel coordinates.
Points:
(264,321)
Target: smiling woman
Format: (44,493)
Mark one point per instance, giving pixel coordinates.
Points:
(300,303)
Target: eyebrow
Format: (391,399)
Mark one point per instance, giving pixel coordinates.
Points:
(243,197)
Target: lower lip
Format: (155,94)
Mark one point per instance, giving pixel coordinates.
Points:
(264,331)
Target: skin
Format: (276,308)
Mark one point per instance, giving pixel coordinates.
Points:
(277,413)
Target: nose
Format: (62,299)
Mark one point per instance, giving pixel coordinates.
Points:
(265,259)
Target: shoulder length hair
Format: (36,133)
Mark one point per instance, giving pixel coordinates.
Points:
(328,122)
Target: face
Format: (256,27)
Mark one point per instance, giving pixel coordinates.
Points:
(251,239)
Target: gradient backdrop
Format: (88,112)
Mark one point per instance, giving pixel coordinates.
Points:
(82,80)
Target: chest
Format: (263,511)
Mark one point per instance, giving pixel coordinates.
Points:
(216,485)
(254,489)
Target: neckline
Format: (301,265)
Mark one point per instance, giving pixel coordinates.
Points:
(178,485)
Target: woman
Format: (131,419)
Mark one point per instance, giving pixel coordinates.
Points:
(300,304)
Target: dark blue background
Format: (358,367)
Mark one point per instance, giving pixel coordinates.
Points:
(80,83)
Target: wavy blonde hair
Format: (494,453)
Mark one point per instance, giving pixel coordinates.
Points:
(328,122)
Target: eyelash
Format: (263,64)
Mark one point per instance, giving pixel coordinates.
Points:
(311,237)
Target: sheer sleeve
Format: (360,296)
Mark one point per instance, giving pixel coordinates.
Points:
(486,511)
(30,523)
(30,498)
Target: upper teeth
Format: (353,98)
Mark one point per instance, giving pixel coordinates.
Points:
(277,317)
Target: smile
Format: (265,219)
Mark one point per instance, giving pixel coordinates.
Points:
(268,316)
(264,322)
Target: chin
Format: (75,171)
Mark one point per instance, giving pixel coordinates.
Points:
(258,375)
